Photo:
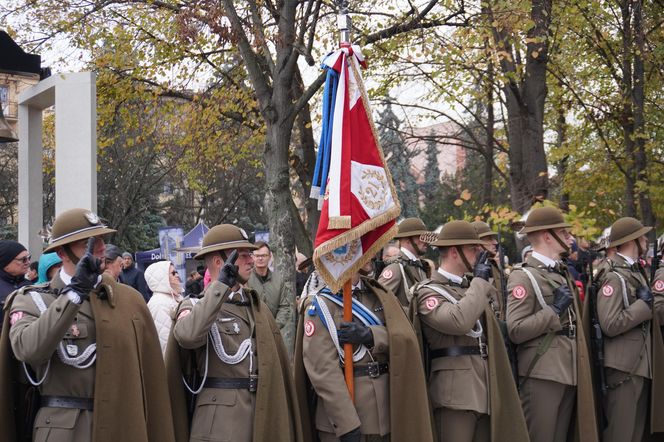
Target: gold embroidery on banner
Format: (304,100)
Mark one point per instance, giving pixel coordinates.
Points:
(373,189)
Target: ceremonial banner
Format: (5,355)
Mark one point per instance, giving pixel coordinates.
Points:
(351,181)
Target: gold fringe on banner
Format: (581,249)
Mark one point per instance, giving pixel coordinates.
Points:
(339,222)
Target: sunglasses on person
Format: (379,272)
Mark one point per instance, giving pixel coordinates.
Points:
(24,260)
(175,273)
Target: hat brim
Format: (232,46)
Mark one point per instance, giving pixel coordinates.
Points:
(224,246)
(488,234)
(639,233)
(459,242)
(101,231)
(532,229)
(409,234)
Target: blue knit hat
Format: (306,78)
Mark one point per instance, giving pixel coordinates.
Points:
(46,261)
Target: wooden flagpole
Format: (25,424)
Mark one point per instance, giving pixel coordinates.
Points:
(343,22)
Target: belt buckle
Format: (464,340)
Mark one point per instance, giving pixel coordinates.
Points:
(253,383)
(484,350)
(572,331)
(373,368)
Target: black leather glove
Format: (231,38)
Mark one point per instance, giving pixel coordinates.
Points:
(354,333)
(482,267)
(644,294)
(86,274)
(562,298)
(229,272)
(351,436)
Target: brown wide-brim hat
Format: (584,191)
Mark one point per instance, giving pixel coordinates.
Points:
(74,225)
(411,227)
(626,229)
(457,233)
(224,237)
(483,229)
(544,218)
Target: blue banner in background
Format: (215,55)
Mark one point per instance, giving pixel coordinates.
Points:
(170,239)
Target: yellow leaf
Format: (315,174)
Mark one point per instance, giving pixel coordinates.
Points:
(542,174)
(465,195)
(458,202)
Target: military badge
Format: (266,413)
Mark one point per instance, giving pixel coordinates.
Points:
(387,274)
(92,218)
(431,303)
(309,328)
(659,285)
(519,292)
(607,290)
(15,317)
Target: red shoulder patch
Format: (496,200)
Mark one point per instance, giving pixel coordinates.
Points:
(309,328)
(15,317)
(387,274)
(431,303)
(607,290)
(183,313)
(659,285)
(519,292)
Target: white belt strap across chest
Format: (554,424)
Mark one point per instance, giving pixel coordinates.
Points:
(82,361)
(332,330)
(536,287)
(475,332)
(623,285)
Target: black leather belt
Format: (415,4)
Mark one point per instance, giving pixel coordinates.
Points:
(82,403)
(570,332)
(455,351)
(372,369)
(250,383)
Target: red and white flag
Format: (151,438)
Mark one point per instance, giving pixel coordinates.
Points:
(359,200)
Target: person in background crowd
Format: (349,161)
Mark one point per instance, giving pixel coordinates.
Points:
(33,273)
(526,252)
(113,259)
(271,289)
(134,277)
(164,281)
(49,264)
(14,264)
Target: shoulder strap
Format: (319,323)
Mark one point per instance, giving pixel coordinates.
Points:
(623,285)
(542,348)
(536,287)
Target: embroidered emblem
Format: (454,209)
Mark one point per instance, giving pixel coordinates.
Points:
(183,313)
(344,254)
(309,328)
(75,332)
(373,189)
(519,292)
(236,328)
(15,317)
(387,274)
(659,285)
(431,303)
(607,290)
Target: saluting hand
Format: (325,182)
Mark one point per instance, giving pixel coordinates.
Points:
(229,272)
(87,272)
(482,267)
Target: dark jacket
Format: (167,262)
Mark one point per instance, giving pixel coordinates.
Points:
(135,278)
(8,284)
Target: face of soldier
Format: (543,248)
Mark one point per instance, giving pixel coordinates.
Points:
(244,263)
(471,252)
(19,265)
(566,237)
(420,246)
(78,248)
